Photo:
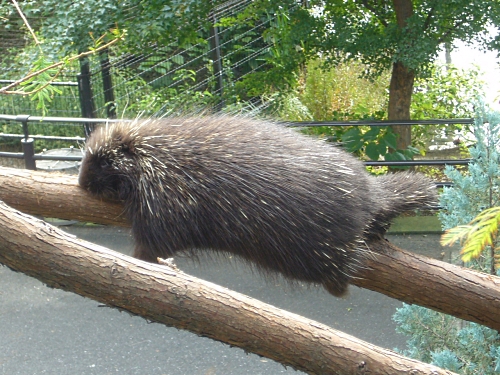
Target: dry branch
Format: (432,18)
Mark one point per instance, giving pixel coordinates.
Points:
(160,294)
(408,277)
(25,20)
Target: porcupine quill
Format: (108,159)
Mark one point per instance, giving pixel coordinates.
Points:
(286,202)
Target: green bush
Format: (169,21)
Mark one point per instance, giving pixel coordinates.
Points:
(463,347)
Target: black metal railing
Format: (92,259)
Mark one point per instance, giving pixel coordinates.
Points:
(27,140)
(30,157)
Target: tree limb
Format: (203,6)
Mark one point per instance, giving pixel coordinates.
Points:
(26,23)
(59,65)
(407,277)
(55,195)
(374,12)
(163,295)
(444,287)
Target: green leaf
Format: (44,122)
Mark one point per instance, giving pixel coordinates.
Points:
(352,139)
(353,133)
(372,134)
(373,151)
(481,232)
(389,139)
(178,59)
(394,156)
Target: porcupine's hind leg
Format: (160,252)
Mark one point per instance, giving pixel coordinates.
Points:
(394,194)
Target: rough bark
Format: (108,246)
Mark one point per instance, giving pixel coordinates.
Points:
(162,295)
(401,85)
(444,287)
(400,92)
(399,274)
(55,195)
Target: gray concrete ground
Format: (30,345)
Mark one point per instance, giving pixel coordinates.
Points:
(48,331)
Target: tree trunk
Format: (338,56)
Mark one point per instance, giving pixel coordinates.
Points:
(401,86)
(407,277)
(400,92)
(163,295)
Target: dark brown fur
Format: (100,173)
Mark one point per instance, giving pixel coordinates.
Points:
(283,201)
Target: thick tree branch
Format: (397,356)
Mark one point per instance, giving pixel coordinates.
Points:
(416,279)
(372,9)
(162,295)
(55,195)
(399,274)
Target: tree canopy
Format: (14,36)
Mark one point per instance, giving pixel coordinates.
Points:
(402,36)
(411,32)
(72,26)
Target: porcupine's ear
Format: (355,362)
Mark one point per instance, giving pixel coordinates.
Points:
(124,144)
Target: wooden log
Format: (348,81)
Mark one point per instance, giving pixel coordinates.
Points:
(441,286)
(163,295)
(55,195)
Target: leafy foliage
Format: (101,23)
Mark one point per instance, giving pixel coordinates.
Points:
(474,237)
(480,187)
(444,92)
(170,99)
(477,190)
(39,86)
(341,92)
(285,54)
(377,142)
(402,36)
(361,30)
(463,347)
(369,30)
(71,25)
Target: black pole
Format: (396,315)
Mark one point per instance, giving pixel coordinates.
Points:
(107,84)
(27,144)
(85,91)
(29,153)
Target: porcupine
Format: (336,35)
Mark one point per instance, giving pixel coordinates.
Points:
(285,202)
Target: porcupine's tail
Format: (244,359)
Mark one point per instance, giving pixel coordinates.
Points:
(400,192)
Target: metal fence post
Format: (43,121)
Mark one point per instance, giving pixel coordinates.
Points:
(107,84)
(27,143)
(85,91)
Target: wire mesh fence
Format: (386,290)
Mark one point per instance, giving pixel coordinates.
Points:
(177,78)
(158,80)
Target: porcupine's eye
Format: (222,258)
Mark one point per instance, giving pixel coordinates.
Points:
(97,176)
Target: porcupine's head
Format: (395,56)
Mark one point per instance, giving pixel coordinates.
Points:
(110,161)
